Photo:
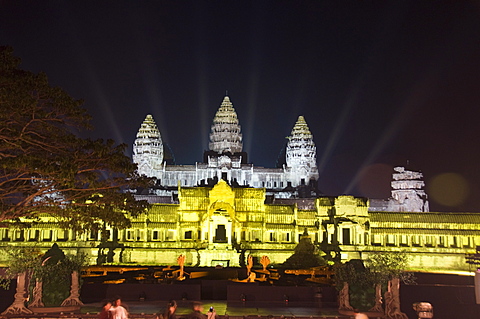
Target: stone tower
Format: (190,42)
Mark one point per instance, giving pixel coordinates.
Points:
(148,148)
(225,136)
(408,194)
(301,154)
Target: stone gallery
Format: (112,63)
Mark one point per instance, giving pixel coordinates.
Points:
(223,209)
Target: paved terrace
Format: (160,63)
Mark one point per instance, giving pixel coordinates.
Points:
(148,310)
(226,310)
(452,297)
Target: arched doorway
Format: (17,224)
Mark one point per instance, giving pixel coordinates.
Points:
(220,223)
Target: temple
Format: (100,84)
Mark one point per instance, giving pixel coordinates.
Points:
(223,209)
(148,148)
(226,159)
(407,193)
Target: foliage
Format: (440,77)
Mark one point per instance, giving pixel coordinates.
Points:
(17,262)
(53,269)
(361,283)
(47,168)
(354,273)
(306,255)
(361,279)
(386,266)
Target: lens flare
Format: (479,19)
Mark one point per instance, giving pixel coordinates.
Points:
(449,189)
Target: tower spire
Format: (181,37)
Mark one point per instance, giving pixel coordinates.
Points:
(301,154)
(225,136)
(148,148)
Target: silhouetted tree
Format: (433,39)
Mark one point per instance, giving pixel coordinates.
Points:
(306,255)
(46,167)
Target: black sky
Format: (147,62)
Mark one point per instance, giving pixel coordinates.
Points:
(380,83)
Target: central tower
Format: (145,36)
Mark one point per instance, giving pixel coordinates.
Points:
(301,154)
(148,148)
(225,136)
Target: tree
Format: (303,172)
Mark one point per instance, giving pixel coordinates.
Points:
(46,168)
(361,283)
(385,266)
(305,255)
(362,278)
(53,269)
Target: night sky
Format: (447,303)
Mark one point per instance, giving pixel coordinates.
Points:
(380,83)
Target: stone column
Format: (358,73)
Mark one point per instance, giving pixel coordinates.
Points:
(18,305)
(378,299)
(37,295)
(477,286)
(211,231)
(74,298)
(229,233)
(344,298)
(392,301)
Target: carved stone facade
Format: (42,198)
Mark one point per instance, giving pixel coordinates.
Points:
(226,159)
(210,226)
(301,154)
(225,136)
(408,194)
(224,224)
(148,148)
(223,209)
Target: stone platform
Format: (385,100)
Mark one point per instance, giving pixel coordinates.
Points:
(149,310)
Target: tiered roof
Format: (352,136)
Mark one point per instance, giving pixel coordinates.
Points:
(148,147)
(301,149)
(225,136)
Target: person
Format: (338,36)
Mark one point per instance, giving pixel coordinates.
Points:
(359,315)
(197,311)
(118,311)
(170,310)
(105,313)
(211,313)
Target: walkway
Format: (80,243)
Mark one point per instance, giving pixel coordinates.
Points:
(223,309)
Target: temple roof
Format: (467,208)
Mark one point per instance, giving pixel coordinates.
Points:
(423,231)
(301,127)
(148,147)
(225,136)
(427,218)
(301,149)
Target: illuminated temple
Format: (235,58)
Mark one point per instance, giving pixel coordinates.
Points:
(225,158)
(220,210)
